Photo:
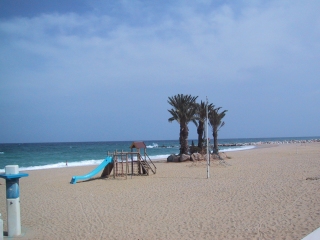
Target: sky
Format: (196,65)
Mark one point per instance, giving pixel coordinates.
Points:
(93,70)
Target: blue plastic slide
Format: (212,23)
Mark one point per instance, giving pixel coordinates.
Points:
(93,172)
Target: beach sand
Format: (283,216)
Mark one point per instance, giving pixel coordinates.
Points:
(264,194)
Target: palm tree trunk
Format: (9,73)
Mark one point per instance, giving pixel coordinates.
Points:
(215,141)
(184,132)
(200,131)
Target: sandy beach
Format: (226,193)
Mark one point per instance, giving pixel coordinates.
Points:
(266,193)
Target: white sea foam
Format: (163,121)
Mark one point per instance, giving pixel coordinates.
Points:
(237,149)
(76,164)
(154,145)
(60,165)
(157,157)
(97,162)
(150,146)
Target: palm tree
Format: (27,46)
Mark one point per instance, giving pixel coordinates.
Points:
(183,111)
(202,116)
(215,119)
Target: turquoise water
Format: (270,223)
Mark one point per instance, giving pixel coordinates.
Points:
(31,156)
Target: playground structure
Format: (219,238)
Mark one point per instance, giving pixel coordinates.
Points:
(122,164)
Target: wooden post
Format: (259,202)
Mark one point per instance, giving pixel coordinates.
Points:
(115,164)
(122,154)
(126,165)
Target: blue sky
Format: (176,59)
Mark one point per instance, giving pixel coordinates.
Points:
(80,70)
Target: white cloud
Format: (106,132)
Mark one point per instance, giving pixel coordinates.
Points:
(218,43)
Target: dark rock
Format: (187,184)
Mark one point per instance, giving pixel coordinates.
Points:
(184,157)
(173,158)
(196,157)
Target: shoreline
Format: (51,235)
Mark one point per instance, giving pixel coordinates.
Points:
(263,194)
(39,163)
(270,143)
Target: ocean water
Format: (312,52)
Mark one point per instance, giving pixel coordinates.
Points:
(33,156)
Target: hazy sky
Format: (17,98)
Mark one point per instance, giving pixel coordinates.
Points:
(94,70)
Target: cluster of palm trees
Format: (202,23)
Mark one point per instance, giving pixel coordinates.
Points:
(185,109)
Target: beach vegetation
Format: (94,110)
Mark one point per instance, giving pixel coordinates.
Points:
(215,119)
(202,117)
(194,149)
(184,108)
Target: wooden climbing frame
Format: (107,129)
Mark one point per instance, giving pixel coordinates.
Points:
(130,163)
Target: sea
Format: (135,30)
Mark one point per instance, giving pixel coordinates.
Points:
(35,156)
